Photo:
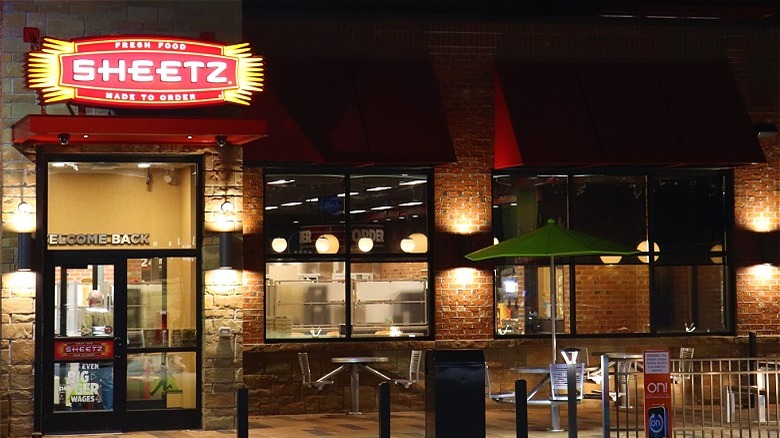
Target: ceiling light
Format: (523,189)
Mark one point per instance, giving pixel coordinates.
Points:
(381,207)
(610,260)
(378,188)
(356,211)
(365,244)
(280,182)
(410,204)
(144,165)
(412,182)
(327,244)
(644,246)
(292,204)
(407,244)
(271,207)
(279,244)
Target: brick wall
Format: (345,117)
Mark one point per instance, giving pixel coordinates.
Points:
(463,54)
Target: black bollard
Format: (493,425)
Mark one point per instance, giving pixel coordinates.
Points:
(571,389)
(242,413)
(384,410)
(521,408)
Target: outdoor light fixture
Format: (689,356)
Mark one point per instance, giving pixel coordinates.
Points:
(226,206)
(24,252)
(570,354)
(221,140)
(64,138)
(225,250)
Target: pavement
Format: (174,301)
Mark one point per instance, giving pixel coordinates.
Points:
(499,420)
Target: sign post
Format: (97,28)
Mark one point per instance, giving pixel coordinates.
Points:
(658,395)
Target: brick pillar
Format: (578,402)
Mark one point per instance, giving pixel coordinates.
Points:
(462,199)
(222,305)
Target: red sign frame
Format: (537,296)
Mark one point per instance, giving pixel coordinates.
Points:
(144,72)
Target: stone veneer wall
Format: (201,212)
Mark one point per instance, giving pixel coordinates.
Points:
(78,18)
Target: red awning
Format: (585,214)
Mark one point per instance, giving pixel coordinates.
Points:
(37,129)
(356,112)
(615,114)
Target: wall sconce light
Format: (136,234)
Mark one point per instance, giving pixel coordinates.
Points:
(644,246)
(226,278)
(226,207)
(23,220)
(365,244)
(225,250)
(24,252)
(327,244)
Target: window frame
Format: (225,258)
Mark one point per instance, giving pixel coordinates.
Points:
(650,175)
(349,257)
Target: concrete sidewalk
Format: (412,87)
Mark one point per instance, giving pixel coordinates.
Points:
(500,423)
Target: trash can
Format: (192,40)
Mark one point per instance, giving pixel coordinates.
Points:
(454,393)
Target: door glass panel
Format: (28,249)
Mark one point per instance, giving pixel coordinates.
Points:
(161,302)
(84,301)
(84,330)
(83,386)
(161,380)
(161,315)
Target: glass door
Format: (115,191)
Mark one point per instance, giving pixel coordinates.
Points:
(162,343)
(121,350)
(83,367)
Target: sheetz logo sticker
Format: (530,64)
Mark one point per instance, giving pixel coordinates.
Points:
(94,349)
(144,72)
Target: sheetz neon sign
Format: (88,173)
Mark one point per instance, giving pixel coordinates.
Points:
(144,72)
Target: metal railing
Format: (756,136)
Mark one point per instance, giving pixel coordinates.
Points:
(724,397)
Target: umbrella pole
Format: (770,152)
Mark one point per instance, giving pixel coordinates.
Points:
(554,311)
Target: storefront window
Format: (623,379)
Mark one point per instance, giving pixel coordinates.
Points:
(85,213)
(347,255)
(677,285)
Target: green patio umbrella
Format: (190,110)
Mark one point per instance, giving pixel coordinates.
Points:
(551,241)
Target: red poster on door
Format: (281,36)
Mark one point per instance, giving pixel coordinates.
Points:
(658,395)
(83,349)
